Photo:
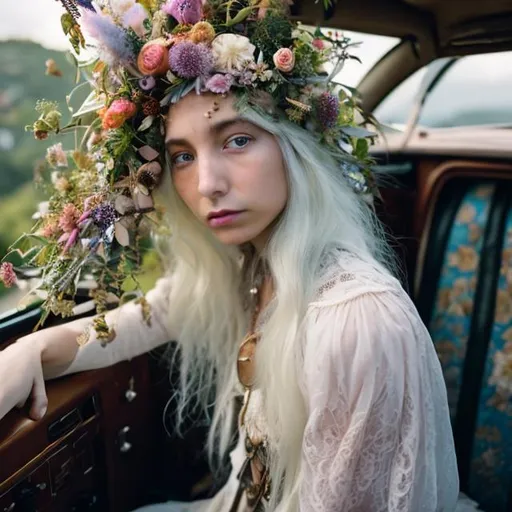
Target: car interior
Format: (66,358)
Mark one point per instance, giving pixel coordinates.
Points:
(108,440)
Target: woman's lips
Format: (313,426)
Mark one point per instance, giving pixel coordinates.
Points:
(224,220)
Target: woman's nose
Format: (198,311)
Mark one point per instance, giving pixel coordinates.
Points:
(212,180)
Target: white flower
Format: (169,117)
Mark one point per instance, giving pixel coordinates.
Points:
(232,53)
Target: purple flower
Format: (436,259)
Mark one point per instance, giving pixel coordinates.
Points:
(190,60)
(246,78)
(327,109)
(184,11)
(104,216)
(147,83)
(86,4)
(219,83)
(111,38)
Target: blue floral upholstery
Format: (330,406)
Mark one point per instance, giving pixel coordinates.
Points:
(465,287)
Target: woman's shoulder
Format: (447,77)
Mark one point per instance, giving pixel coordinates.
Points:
(346,276)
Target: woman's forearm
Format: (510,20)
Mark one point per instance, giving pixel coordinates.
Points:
(58,346)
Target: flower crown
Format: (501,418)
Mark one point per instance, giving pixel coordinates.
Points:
(148,55)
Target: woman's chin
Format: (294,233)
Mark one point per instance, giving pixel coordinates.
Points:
(234,235)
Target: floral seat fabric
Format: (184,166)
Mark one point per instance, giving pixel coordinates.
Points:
(470,321)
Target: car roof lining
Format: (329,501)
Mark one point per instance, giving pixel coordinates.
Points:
(454,27)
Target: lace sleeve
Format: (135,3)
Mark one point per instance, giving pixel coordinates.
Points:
(133,335)
(378,436)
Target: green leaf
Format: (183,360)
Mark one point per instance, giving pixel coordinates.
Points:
(91,104)
(241,16)
(15,257)
(146,123)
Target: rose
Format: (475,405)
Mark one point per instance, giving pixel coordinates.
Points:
(284,60)
(119,111)
(153,58)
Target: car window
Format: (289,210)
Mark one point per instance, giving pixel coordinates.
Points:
(370,50)
(474,91)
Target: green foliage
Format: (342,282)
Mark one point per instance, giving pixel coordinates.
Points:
(272,33)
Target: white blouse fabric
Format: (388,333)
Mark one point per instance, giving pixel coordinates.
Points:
(378,437)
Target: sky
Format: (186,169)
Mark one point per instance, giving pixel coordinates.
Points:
(39,21)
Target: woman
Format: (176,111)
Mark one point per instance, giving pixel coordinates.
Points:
(280,289)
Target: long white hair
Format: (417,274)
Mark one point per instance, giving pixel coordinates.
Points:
(322,215)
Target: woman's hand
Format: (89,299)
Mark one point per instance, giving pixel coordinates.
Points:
(21,376)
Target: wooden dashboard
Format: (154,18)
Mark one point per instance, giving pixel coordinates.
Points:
(96,431)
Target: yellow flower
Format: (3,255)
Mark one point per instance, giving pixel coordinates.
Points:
(202,32)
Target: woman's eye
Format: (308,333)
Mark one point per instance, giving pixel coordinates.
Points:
(182,158)
(238,142)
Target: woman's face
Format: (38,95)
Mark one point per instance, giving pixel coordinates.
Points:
(229,172)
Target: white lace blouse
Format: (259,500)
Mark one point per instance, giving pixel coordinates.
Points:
(378,437)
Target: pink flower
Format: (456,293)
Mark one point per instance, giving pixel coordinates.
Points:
(284,60)
(134,18)
(184,11)
(318,44)
(190,60)
(50,229)
(73,237)
(7,274)
(153,58)
(68,219)
(118,112)
(219,84)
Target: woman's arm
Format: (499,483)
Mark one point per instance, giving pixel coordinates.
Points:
(54,352)
(61,354)
(378,435)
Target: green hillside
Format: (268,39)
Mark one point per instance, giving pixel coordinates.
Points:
(22,82)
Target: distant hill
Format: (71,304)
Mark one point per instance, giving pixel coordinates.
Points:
(22,83)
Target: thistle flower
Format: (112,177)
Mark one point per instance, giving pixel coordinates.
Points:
(119,111)
(104,216)
(7,274)
(219,83)
(112,41)
(184,11)
(56,156)
(327,109)
(69,218)
(190,60)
